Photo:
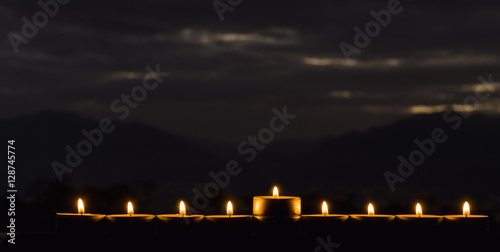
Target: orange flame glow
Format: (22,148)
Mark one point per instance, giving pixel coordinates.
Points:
(229,208)
(182,208)
(418,210)
(466,209)
(324,208)
(81,209)
(371,210)
(130,208)
(275,193)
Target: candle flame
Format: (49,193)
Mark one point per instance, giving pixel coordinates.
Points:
(466,209)
(418,210)
(229,208)
(275,193)
(324,209)
(182,208)
(371,211)
(81,209)
(130,208)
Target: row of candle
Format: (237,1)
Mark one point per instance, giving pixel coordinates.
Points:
(265,207)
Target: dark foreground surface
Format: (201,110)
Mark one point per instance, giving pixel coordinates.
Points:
(271,236)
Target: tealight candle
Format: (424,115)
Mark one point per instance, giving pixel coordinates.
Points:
(277,216)
(229,224)
(365,230)
(370,221)
(131,222)
(321,223)
(371,217)
(80,222)
(416,222)
(466,223)
(177,223)
(276,206)
(229,218)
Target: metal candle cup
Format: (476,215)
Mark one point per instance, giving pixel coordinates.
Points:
(80,222)
(418,222)
(277,212)
(229,224)
(325,223)
(466,223)
(370,223)
(178,224)
(276,206)
(277,223)
(130,223)
(369,228)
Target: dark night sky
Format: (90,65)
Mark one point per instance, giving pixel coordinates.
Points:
(227,76)
(225,79)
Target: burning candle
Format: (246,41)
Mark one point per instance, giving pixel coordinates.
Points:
(229,214)
(131,222)
(370,221)
(276,206)
(416,222)
(466,223)
(321,223)
(277,216)
(178,223)
(229,224)
(362,231)
(371,217)
(80,222)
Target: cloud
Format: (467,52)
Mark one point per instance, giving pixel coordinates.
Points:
(263,55)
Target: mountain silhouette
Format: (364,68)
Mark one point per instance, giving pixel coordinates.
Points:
(157,168)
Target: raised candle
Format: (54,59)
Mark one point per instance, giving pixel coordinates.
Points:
(276,206)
